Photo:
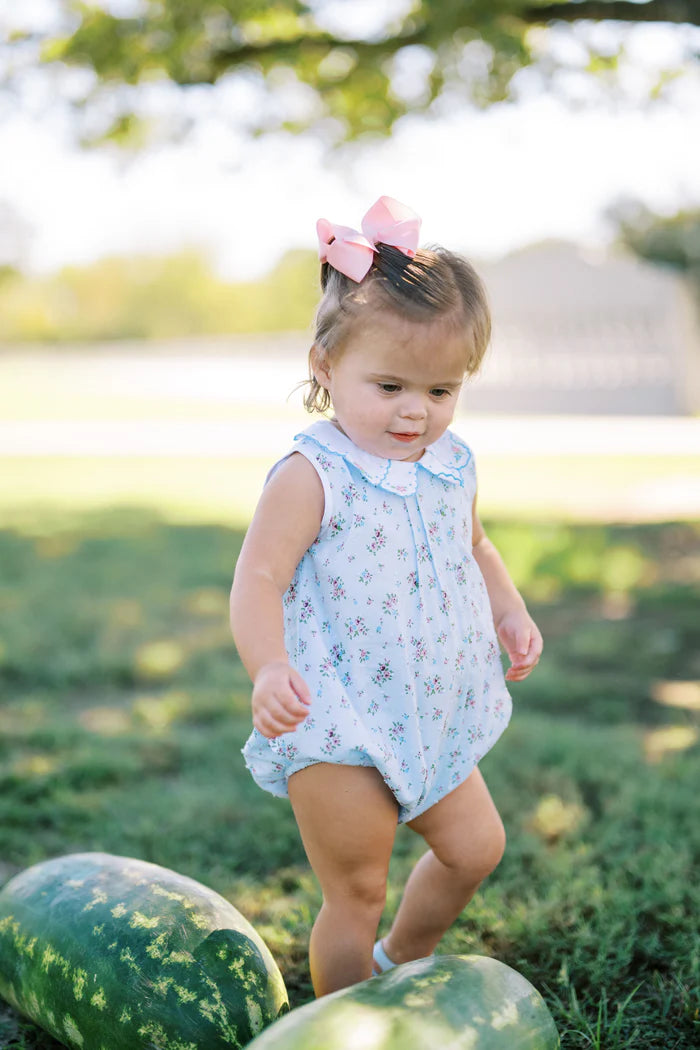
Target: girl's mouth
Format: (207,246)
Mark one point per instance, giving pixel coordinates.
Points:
(404,437)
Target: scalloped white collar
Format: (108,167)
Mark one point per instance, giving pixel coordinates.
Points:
(446,458)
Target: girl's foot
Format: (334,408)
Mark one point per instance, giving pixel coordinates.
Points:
(381,960)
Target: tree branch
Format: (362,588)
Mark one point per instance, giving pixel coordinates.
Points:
(224,58)
(678,11)
(675,11)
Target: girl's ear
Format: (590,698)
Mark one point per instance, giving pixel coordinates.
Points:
(320,366)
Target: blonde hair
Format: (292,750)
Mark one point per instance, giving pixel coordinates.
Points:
(436,285)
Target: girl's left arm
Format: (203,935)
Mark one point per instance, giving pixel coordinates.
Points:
(516,630)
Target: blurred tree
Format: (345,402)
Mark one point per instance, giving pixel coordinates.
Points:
(673,241)
(150,297)
(668,240)
(320,62)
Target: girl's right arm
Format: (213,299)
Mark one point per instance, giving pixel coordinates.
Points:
(285,524)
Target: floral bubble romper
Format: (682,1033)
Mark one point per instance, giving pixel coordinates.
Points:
(388,621)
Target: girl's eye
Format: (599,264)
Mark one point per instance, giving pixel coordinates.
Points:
(439,392)
(389,388)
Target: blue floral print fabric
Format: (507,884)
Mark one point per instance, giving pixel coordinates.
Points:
(388,621)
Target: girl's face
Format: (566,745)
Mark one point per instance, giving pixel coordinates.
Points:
(394,387)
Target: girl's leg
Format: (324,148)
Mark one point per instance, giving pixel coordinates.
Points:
(347,818)
(467,840)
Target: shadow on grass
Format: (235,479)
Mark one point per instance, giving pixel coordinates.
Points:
(125,708)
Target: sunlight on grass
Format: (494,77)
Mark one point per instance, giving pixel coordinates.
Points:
(153,712)
(617,605)
(161,712)
(159,660)
(206,602)
(554,817)
(677,694)
(623,568)
(125,612)
(659,743)
(37,490)
(181,707)
(591,487)
(25,716)
(192,489)
(55,545)
(34,765)
(106,721)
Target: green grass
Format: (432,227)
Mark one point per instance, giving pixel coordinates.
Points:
(596,488)
(124,709)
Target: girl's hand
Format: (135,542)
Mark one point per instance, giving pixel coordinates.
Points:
(281,699)
(521,639)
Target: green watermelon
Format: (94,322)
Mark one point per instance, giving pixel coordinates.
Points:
(451,1001)
(110,953)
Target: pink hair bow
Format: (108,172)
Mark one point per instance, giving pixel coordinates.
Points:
(351,252)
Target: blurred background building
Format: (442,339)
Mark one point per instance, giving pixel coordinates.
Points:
(577,332)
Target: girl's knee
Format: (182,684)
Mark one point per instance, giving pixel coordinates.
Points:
(495,847)
(491,847)
(475,859)
(363,892)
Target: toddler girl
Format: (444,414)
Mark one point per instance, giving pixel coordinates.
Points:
(367,603)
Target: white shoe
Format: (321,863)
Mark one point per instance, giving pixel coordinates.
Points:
(382,961)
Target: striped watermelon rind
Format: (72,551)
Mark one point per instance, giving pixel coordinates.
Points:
(458,1002)
(113,953)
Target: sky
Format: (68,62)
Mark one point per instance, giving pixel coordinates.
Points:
(484,182)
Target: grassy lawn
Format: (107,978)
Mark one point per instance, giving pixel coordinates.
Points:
(573,488)
(124,709)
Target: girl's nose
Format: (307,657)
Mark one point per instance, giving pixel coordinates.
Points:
(413,408)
